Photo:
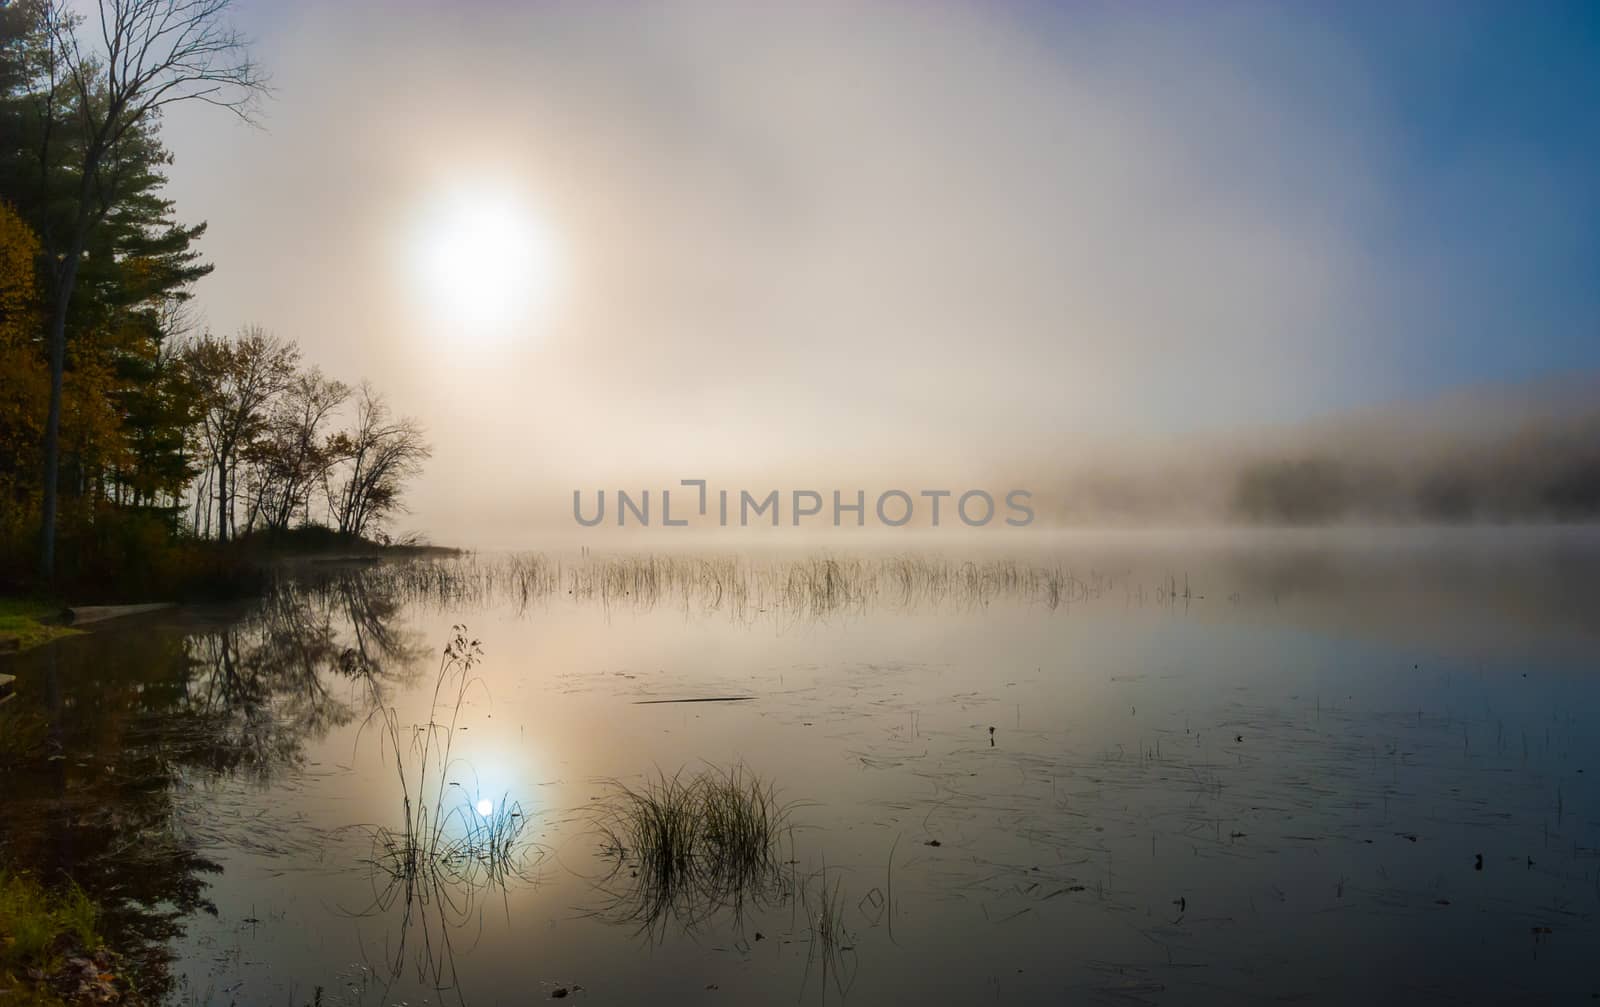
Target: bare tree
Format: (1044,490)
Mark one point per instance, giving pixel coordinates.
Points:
(237,382)
(377,457)
(294,456)
(149,54)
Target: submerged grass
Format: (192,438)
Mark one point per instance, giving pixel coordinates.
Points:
(685,847)
(23,735)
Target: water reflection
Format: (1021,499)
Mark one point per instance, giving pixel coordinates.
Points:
(259,687)
(715,848)
(1192,763)
(1462,587)
(452,848)
(830,945)
(114,741)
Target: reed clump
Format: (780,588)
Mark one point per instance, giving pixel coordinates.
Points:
(687,846)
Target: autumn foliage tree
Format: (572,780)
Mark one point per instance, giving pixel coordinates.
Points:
(236,384)
(26,385)
(86,102)
(119,423)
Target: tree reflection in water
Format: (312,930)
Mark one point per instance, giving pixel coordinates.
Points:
(113,737)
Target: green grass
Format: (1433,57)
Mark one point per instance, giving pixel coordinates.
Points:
(28,622)
(37,925)
(38,929)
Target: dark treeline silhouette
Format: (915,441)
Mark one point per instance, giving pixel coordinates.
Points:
(124,434)
(1523,479)
(1507,454)
(267,458)
(1539,467)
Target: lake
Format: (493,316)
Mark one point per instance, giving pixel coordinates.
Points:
(1130,768)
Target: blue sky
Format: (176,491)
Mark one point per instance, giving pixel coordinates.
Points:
(1481,126)
(1495,163)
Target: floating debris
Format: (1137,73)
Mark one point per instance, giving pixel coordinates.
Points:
(697,699)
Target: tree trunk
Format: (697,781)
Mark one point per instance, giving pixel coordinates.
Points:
(66,281)
(52,423)
(222,500)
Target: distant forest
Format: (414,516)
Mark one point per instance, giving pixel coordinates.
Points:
(1533,476)
(1527,454)
(124,427)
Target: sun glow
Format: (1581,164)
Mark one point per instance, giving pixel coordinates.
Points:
(484,260)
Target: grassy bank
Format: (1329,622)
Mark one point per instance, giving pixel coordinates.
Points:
(27,622)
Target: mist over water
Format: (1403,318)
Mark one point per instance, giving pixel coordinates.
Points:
(1493,457)
(1219,766)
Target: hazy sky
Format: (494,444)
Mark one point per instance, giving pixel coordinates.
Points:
(881,237)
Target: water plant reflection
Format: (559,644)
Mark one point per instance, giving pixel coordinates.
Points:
(686,850)
(681,849)
(453,845)
(831,946)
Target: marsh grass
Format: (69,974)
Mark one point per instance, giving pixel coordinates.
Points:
(443,837)
(686,847)
(796,589)
(445,853)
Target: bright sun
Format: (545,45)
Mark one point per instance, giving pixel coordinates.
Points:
(484,260)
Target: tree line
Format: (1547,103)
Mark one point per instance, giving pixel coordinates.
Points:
(268,455)
(114,410)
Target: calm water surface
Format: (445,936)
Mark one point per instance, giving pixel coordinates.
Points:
(1134,770)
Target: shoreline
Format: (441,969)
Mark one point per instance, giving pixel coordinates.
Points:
(31,617)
